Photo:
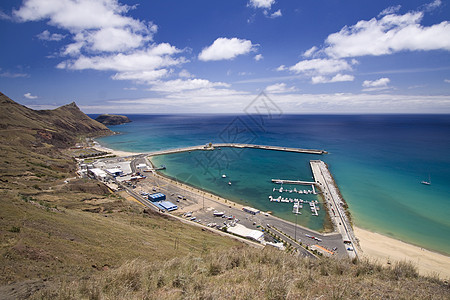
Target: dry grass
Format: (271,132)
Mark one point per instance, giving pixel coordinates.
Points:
(243,273)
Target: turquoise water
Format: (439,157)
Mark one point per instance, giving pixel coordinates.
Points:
(377,161)
(250,172)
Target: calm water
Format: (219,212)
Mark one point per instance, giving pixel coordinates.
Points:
(378,162)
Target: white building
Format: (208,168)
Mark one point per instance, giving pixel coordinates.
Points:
(98,174)
(243,231)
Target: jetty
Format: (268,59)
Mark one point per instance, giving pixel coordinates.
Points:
(273,148)
(210,147)
(301,182)
(335,203)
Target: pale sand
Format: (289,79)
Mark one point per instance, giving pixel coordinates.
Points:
(117,153)
(381,248)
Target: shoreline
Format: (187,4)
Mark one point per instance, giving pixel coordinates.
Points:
(383,249)
(374,246)
(118,153)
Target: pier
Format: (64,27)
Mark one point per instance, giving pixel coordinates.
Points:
(233,145)
(301,182)
(274,148)
(335,203)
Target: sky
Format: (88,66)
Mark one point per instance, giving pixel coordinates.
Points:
(217,56)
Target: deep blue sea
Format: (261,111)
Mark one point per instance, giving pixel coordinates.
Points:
(378,162)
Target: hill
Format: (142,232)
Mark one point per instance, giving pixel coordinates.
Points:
(112,119)
(61,127)
(54,226)
(68,238)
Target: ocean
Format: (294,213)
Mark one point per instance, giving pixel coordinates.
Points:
(378,162)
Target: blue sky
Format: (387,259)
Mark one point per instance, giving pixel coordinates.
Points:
(211,56)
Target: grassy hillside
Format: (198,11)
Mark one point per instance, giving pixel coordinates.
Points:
(50,229)
(244,273)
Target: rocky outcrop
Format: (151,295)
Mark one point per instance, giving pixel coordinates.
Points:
(107,119)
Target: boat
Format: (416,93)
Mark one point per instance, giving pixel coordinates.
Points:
(224,176)
(229,182)
(426,182)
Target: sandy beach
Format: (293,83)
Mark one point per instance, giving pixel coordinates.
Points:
(115,152)
(381,248)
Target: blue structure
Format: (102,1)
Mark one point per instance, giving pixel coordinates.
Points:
(157,197)
(166,205)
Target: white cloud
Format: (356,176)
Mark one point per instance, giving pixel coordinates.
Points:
(179,85)
(46,36)
(231,101)
(262,3)
(141,76)
(151,59)
(279,88)
(29,96)
(342,77)
(95,25)
(376,85)
(390,34)
(433,5)
(447,80)
(13,75)
(276,14)
(310,52)
(258,57)
(389,10)
(382,82)
(321,66)
(337,78)
(4,16)
(225,48)
(185,74)
(281,68)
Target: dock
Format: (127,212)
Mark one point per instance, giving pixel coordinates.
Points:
(301,182)
(335,204)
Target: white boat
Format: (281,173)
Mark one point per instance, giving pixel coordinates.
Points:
(229,182)
(224,176)
(426,182)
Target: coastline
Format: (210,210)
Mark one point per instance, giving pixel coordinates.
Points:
(374,246)
(118,153)
(382,249)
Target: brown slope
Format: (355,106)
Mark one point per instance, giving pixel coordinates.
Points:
(58,127)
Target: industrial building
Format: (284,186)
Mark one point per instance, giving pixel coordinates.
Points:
(157,197)
(114,172)
(243,231)
(98,174)
(166,205)
(250,210)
